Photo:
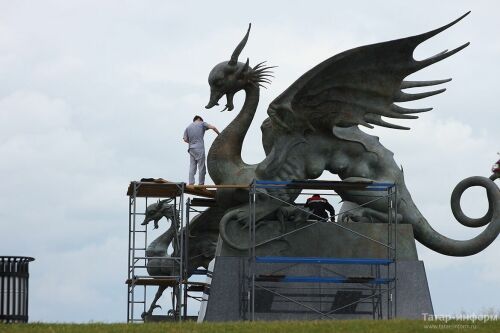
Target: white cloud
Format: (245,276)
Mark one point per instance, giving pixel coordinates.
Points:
(79,285)
(31,113)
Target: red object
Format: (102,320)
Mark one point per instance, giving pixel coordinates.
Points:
(496,167)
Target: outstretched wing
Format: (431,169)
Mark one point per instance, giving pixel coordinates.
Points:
(359,86)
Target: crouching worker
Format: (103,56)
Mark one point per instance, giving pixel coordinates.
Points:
(319,207)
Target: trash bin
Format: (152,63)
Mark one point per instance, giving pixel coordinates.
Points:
(14,276)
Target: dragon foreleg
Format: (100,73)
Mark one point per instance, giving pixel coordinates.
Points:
(153,305)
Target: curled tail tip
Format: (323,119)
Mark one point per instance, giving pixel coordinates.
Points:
(461,248)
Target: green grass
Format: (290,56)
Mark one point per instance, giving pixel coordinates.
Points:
(354,326)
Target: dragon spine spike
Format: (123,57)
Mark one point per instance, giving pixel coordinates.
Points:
(414,84)
(263,74)
(264,68)
(425,36)
(260,73)
(266,75)
(377,120)
(404,97)
(391,113)
(402,110)
(396,115)
(364,123)
(438,54)
(259,65)
(239,48)
(432,60)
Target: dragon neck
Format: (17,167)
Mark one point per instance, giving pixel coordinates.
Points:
(224,161)
(159,246)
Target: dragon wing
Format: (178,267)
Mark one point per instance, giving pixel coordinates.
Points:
(359,87)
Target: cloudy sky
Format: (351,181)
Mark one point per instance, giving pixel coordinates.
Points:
(94,94)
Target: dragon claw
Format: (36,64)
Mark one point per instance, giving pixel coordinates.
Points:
(150,311)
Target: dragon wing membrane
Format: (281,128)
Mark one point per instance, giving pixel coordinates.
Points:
(359,86)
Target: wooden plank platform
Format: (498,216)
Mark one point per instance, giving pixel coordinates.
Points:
(163,189)
(168,282)
(153,282)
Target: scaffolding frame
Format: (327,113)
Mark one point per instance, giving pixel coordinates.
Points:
(137,259)
(377,286)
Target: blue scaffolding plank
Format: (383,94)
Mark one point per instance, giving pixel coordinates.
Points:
(378,187)
(272,182)
(198,272)
(305,183)
(319,260)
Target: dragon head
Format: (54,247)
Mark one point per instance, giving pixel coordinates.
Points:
(156,211)
(229,77)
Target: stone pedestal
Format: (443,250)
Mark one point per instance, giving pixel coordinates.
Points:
(229,285)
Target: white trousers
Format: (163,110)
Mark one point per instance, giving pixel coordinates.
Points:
(197,160)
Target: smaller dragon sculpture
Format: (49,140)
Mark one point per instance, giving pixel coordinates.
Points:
(203,234)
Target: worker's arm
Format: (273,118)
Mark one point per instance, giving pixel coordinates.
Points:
(331,211)
(306,205)
(213,128)
(185,137)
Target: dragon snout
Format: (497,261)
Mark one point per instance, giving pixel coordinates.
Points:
(211,104)
(215,95)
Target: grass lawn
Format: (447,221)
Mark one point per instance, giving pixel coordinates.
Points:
(355,326)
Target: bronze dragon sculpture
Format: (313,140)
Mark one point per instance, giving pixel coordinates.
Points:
(313,126)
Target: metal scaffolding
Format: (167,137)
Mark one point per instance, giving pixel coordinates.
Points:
(380,287)
(142,193)
(138,243)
